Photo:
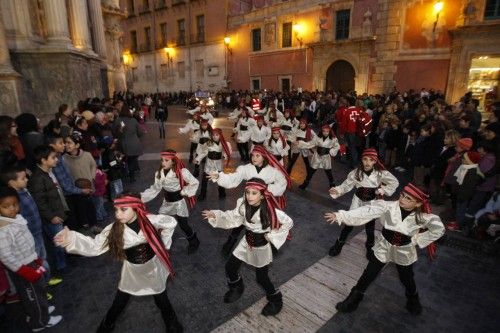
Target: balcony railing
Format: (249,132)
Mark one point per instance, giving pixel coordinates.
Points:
(178,2)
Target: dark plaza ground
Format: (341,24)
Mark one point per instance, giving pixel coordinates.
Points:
(459,291)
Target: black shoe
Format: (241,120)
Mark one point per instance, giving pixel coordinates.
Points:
(304,185)
(274,305)
(228,245)
(351,302)
(174,326)
(194,243)
(413,304)
(235,291)
(369,251)
(105,328)
(336,248)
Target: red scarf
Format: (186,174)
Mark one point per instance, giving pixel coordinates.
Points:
(224,144)
(152,236)
(372,153)
(271,202)
(178,172)
(420,196)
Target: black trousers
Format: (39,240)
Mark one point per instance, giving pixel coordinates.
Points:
(328,173)
(243,151)
(192,149)
(121,301)
(233,265)
(204,184)
(373,269)
(369,228)
(183,223)
(291,162)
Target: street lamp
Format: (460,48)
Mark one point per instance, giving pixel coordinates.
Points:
(298,29)
(438,8)
(227,41)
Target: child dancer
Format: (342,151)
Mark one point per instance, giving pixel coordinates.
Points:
(215,150)
(407,223)
(192,127)
(258,213)
(176,182)
(263,166)
(141,241)
(301,133)
(260,133)
(277,145)
(288,125)
(25,268)
(242,130)
(326,146)
(370,180)
(273,116)
(204,135)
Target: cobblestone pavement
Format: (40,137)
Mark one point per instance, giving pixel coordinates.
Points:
(459,291)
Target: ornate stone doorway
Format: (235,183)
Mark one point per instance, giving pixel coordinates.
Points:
(340,76)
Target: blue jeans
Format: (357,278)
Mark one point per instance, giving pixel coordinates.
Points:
(58,253)
(115,188)
(100,212)
(42,253)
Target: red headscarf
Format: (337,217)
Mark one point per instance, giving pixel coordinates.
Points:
(372,153)
(152,236)
(327,127)
(178,172)
(271,202)
(308,129)
(422,197)
(258,118)
(272,162)
(224,144)
(278,130)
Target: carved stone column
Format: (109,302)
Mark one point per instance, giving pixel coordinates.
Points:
(20,23)
(97,21)
(57,22)
(80,33)
(9,79)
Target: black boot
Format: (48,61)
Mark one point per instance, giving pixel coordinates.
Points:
(228,245)
(336,248)
(351,302)
(274,305)
(413,304)
(235,291)
(222,192)
(369,251)
(194,243)
(105,328)
(174,326)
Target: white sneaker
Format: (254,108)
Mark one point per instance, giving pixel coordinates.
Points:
(51,309)
(53,321)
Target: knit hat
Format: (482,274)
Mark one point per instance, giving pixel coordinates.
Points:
(474,156)
(494,127)
(465,143)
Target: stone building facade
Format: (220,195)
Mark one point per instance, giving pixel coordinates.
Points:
(58,51)
(365,45)
(174,45)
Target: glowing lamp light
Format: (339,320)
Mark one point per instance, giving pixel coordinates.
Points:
(126,58)
(227,40)
(438,7)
